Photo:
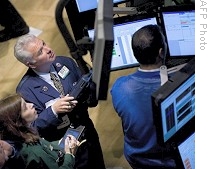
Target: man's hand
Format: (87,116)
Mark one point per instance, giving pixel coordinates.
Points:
(5,151)
(64,104)
(71,144)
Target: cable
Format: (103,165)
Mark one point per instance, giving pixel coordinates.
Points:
(74,51)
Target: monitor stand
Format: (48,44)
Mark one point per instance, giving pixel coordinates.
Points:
(125,10)
(164,72)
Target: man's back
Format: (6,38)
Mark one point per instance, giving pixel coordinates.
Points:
(131,97)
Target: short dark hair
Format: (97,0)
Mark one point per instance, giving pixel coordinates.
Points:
(146,43)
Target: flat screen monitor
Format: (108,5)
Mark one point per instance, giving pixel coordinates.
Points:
(186,153)
(174,106)
(124,28)
(103,46)
(86,5)
(178,23)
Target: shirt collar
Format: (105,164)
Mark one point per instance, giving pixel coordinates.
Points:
(151,70)
(46,76)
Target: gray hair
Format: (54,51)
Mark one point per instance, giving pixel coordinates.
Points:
(20,48)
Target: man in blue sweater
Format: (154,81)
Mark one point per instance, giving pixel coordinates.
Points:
(131,97)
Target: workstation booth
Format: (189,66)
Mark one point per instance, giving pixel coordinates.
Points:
(105,30)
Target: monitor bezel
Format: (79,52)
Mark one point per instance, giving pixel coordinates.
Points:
(103,45)
(175,8)
(161,94)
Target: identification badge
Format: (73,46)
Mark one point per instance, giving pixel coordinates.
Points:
(63,72)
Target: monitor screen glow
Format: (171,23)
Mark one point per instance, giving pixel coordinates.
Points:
(178,108)
(187,152)
(174,106)
(179,28)
(86,5)
(122,54)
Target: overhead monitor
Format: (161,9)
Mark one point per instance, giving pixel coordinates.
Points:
(174,106)
(103,46)
(178,23)
(146,5)
(124,28)
(86,5)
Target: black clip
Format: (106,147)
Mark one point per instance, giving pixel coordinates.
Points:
(60,157)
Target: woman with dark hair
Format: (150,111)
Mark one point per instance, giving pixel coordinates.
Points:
(37,153)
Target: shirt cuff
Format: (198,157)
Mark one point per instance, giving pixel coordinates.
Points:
(13,152)
(56,115)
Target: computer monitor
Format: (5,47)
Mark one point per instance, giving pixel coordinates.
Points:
(174,106)
(186,153)
(103,46)
(86,5)
(146,5)
(178,23)
(124,28)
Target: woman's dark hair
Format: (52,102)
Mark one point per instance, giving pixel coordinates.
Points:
(146,43)
(12,126)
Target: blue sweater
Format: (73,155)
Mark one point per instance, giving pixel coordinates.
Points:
(131,97)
